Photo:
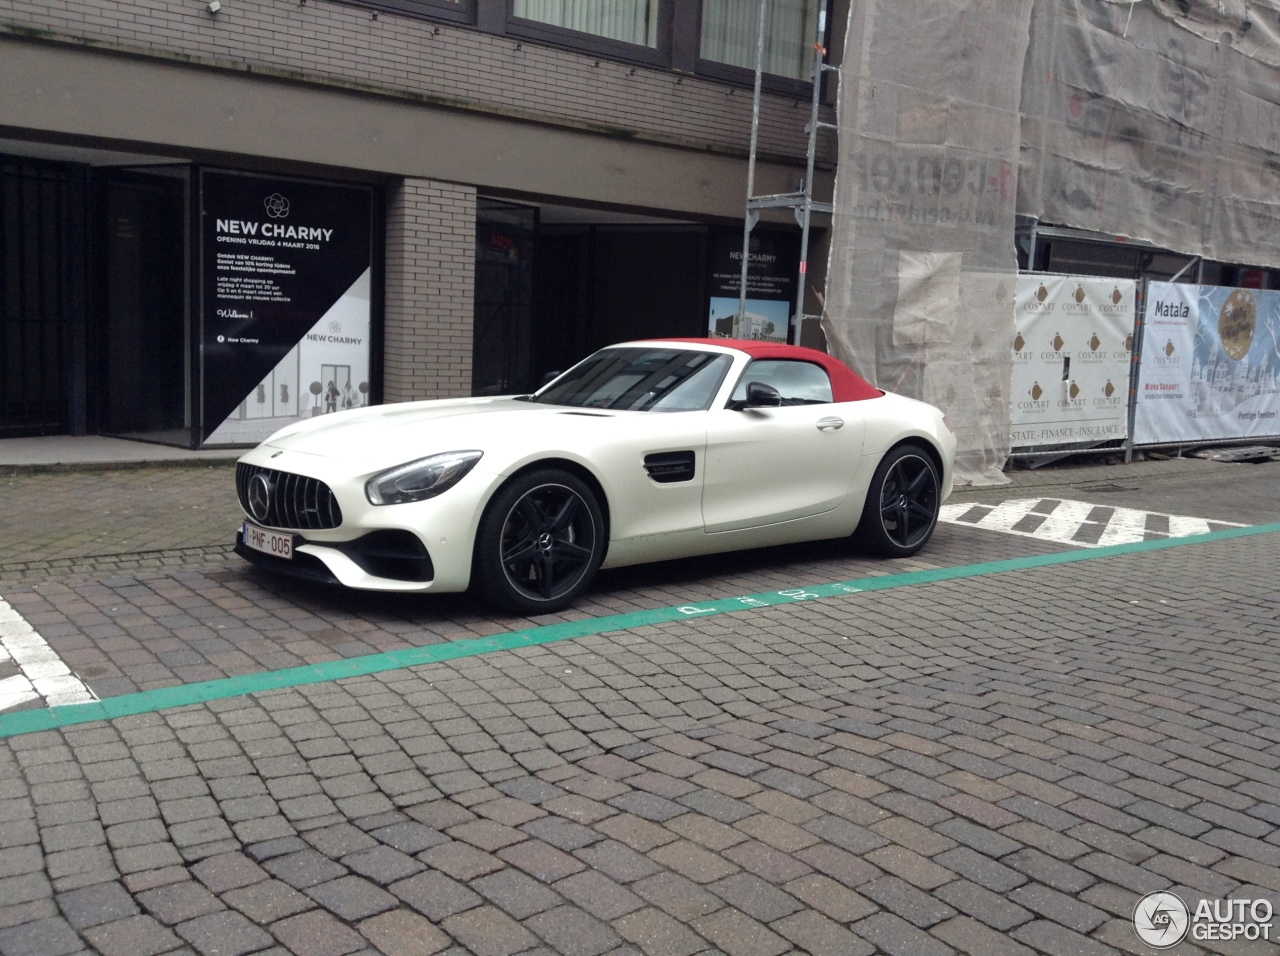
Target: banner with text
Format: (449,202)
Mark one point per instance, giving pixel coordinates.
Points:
(1210,364)
(773,261)
(285,272)
(1071,357)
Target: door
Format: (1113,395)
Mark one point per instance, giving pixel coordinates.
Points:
(144,343)
(35,298)
(769,464)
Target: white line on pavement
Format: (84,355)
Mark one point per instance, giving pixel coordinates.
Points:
(43,672)
(1062,522)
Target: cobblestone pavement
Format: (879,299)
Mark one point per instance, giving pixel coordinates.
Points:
(998,764)
(70,521)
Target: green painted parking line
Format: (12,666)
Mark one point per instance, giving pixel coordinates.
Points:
(29,721)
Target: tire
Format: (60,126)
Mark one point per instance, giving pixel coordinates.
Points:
(540,543)
(902,504)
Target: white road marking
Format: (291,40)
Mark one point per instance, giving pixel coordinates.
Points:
(1003,518)
(1126,525)
(1066,519)
(16,690)
(43,672)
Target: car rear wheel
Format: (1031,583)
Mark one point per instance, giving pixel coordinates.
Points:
(540,542)
(902,503)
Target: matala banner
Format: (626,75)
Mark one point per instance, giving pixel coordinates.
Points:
(286,269)
(1210,364)
(1071,358)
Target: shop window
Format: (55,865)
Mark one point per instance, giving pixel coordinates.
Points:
(502,347)
(626,21)
(728,35)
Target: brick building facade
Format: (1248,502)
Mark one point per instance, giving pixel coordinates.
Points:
(540,185)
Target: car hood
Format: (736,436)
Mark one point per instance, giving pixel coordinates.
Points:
(386,435)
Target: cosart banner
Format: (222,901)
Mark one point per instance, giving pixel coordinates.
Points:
(1210,364)
(285,281)
(1071,358)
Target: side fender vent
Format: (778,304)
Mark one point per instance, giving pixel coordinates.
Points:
(669,467)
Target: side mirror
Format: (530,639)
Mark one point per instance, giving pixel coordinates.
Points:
(760,395)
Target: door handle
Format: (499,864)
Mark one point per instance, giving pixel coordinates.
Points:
(825,423)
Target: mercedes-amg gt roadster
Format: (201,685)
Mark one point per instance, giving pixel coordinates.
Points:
(644,451)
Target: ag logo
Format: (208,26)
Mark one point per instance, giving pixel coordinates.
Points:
(1161,920)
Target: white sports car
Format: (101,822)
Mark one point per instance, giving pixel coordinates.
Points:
(644,451)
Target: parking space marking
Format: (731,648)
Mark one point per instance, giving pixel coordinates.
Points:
(1079,523)
(41,672)
(47,718)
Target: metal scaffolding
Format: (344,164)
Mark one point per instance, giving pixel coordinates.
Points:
(800,201)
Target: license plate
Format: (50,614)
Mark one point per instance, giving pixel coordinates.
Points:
(274,543)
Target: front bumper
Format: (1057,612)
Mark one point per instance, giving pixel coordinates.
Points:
(418,546)
(389,555)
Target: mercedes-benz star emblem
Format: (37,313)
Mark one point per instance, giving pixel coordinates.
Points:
(259,497)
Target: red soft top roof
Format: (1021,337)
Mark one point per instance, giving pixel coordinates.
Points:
(846,385)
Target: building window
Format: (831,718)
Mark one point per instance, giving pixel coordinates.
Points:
(729,35)
(627,21)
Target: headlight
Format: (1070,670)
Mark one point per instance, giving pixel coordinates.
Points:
(421,479)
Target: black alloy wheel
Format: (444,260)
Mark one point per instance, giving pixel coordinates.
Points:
(540,543)
(902,504)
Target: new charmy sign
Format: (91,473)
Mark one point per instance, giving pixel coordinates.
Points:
(285,282)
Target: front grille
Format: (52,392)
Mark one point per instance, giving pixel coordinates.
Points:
(293,501)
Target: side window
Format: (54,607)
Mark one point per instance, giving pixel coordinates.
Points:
(799,383)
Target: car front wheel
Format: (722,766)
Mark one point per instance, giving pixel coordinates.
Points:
(902,503)
(540,542)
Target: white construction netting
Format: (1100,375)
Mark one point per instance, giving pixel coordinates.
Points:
(1153,119)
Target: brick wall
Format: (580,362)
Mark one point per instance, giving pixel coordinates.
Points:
(430,294)
(348,45)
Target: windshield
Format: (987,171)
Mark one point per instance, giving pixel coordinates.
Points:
(640,379)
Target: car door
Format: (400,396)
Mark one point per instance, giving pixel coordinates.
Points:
(769,464)
(652,461)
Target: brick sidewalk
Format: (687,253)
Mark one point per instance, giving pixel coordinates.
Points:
(113,518)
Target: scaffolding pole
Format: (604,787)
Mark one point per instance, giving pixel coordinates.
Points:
(800,202)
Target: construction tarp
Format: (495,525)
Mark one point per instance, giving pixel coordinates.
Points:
(1156,120)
